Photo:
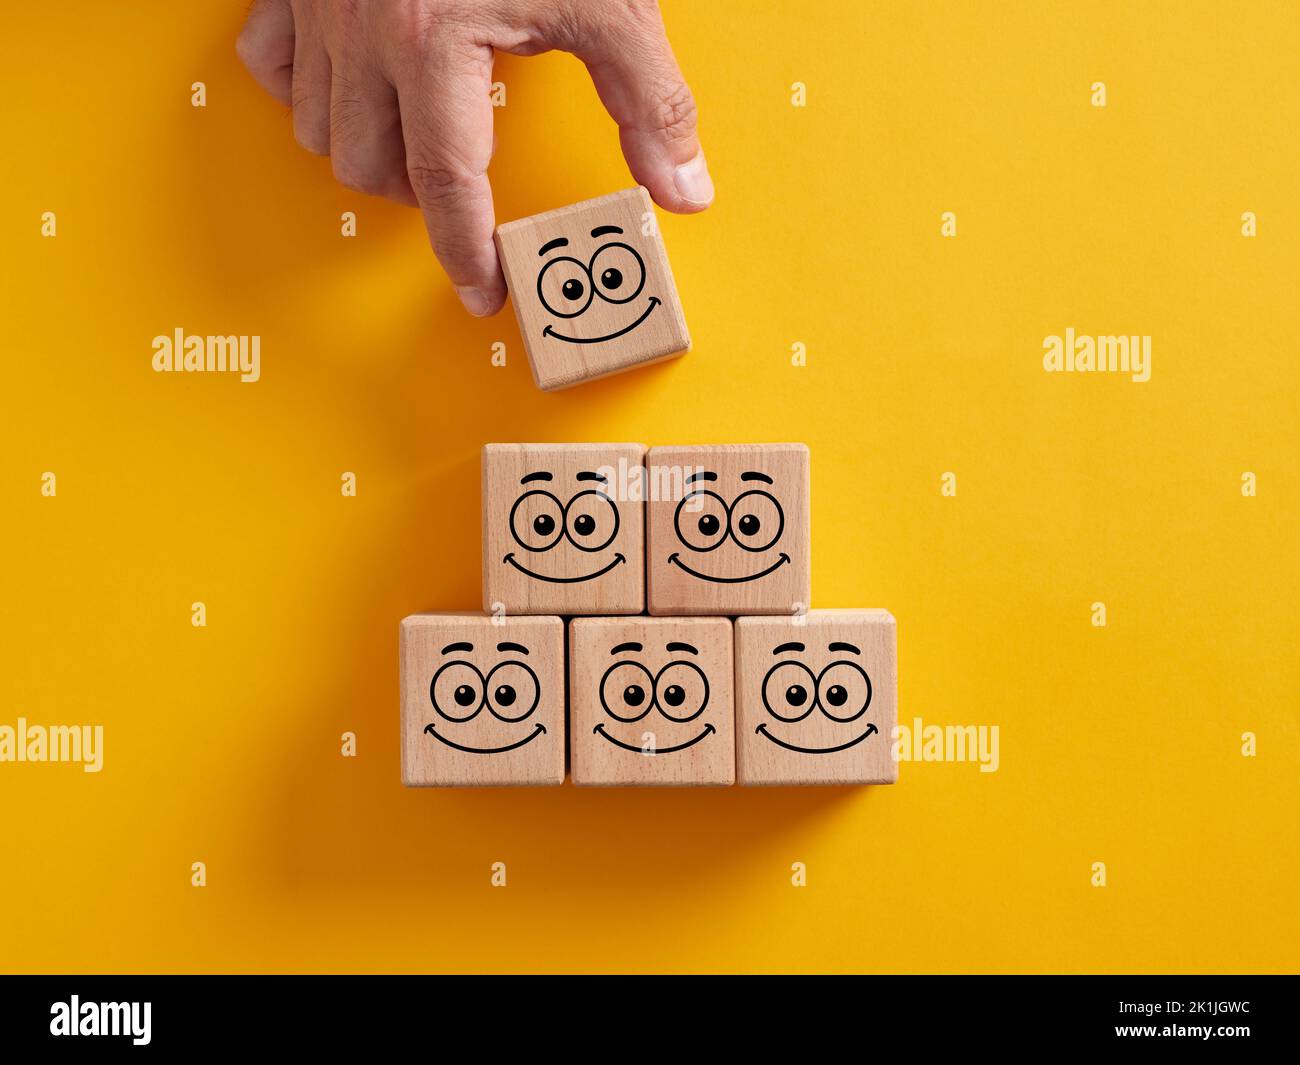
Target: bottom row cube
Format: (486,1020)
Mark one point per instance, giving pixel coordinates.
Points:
(810,699)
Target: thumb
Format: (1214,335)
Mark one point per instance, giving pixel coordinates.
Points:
(641,86)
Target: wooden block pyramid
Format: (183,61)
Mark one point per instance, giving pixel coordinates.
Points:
(646,614)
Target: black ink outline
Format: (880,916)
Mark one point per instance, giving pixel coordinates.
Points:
(650,678)
(559,525)
(655,301)
(654,703)
(539,730)
(487,690)
(675,560)
(677,520)
(658,750)
(510,558)
(816,750)
(871,691)
(618,521)
(483,700)
(707,690)
(817,689)
(780,528)
(591,288)
(591,271)
(812,690)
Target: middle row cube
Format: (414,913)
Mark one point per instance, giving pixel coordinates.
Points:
(599,529)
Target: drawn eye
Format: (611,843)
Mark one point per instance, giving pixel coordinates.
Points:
(618,271)
(682,691)
(592,520)
(787,691)
(701,520)
(456,691)
(512,691)
(564,287)
(844,691)
(625,691)
(757,520)
(537,520)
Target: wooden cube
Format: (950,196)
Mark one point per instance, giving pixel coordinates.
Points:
(482,700)
(816,698)
(728,529)
(592,289)
(563,529)
(650,701)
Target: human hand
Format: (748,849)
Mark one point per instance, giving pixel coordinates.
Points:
(396,92)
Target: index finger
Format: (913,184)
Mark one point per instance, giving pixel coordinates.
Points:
(447,128)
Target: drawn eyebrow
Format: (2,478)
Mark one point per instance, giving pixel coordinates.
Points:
(600,231)
(633,646)
(540,476)
(788,647)
(676,646)
(457,647)
(844,647)
(703,475)
(551,245)
(507,646)
(750,475)
(588,475)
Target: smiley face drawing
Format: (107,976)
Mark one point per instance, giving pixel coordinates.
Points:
(560,533)
(841,690)
(678,691)
(614,273)
(651,701)
(586,521)
(592,289)
(482,703)
(753,521)
(816,698)
(734,539)
(459,692)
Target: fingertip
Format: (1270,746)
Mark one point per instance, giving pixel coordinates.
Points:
(693,184)
(679,187)
(481,303)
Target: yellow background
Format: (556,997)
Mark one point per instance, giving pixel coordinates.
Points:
(1119,744)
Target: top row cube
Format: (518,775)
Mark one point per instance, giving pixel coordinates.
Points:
(592,289)
(613,529)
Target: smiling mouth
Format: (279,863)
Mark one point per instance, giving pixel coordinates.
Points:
(658,750)
(549,332)
(485,750)
(675,560)
(816,750)
(618,557)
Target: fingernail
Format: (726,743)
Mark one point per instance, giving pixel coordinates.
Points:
(475,300)
(693,182)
